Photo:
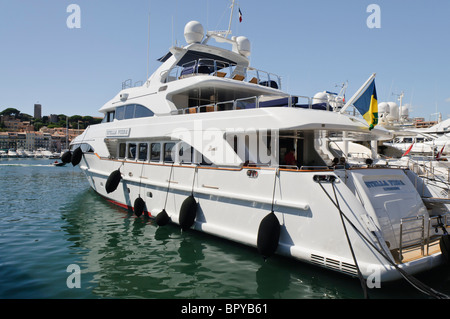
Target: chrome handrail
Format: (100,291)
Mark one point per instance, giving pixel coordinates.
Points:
(218,66)
(234,103)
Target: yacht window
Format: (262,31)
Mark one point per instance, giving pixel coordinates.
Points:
(131,151)
(122,150)
(142,111)
(185,153)
(110,116)
(155,152)
(120,112)
(143,151)
(129,111)
(168,156)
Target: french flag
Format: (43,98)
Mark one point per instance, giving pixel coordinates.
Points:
(240,15)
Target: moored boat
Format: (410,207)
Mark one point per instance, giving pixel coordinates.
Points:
(210,143)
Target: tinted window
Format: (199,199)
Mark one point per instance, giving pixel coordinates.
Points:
(120,112)
(129,111)
(168,152)
(122,150)
(155,150)
(131,151)
(142,111)
(143,151)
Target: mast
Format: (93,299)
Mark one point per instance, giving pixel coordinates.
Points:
(231,18)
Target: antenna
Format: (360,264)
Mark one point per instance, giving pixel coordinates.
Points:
(148,45)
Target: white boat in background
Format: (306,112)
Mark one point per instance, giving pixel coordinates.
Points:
(417,144)
(46,154)
(3,154)
(12,153)
(29,153)
(42,153)
(20,153)
(213,144)
(55,155)
(38,153)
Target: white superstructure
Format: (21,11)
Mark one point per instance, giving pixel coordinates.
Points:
(204,143)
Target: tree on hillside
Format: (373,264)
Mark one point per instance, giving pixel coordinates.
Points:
(11,112)
(25,117)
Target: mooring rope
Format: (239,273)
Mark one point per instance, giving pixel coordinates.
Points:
(360,276)
(410,279)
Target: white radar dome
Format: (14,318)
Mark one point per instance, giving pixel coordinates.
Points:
(404,112)
(393,108)
(243,46)
(383,108)
(193,32)
(321,97)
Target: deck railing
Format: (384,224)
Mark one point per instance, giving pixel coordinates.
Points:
(223,70)
(249,103)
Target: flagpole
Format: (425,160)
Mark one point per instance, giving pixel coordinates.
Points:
(358,93)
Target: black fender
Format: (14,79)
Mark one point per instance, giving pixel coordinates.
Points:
(162,218)
(113,181)
(139,206)
(188,212)
(444,244)
(66,157)
(268,235)
(76,156)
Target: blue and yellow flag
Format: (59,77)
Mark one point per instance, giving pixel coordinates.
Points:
(367,105)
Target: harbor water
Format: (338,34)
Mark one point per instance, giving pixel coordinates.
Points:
(51,223)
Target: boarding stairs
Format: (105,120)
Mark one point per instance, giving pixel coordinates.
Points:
(419,237)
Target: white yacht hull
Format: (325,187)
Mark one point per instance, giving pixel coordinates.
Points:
(232,204)
(260,178)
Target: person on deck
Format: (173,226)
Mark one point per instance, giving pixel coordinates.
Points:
(289,158)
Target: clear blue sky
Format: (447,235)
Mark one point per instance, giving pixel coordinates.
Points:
(313,45)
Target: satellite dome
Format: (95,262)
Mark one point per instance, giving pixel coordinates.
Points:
(320,97)
(193,32)
(383,108)
(393,109)
(243,45)
(404,112)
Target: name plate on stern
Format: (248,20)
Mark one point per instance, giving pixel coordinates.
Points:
(118,132)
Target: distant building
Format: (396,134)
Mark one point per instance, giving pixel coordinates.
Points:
(37,111)
(15,125)
(53,118)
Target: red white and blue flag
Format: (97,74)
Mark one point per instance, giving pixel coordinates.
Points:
(240,15)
